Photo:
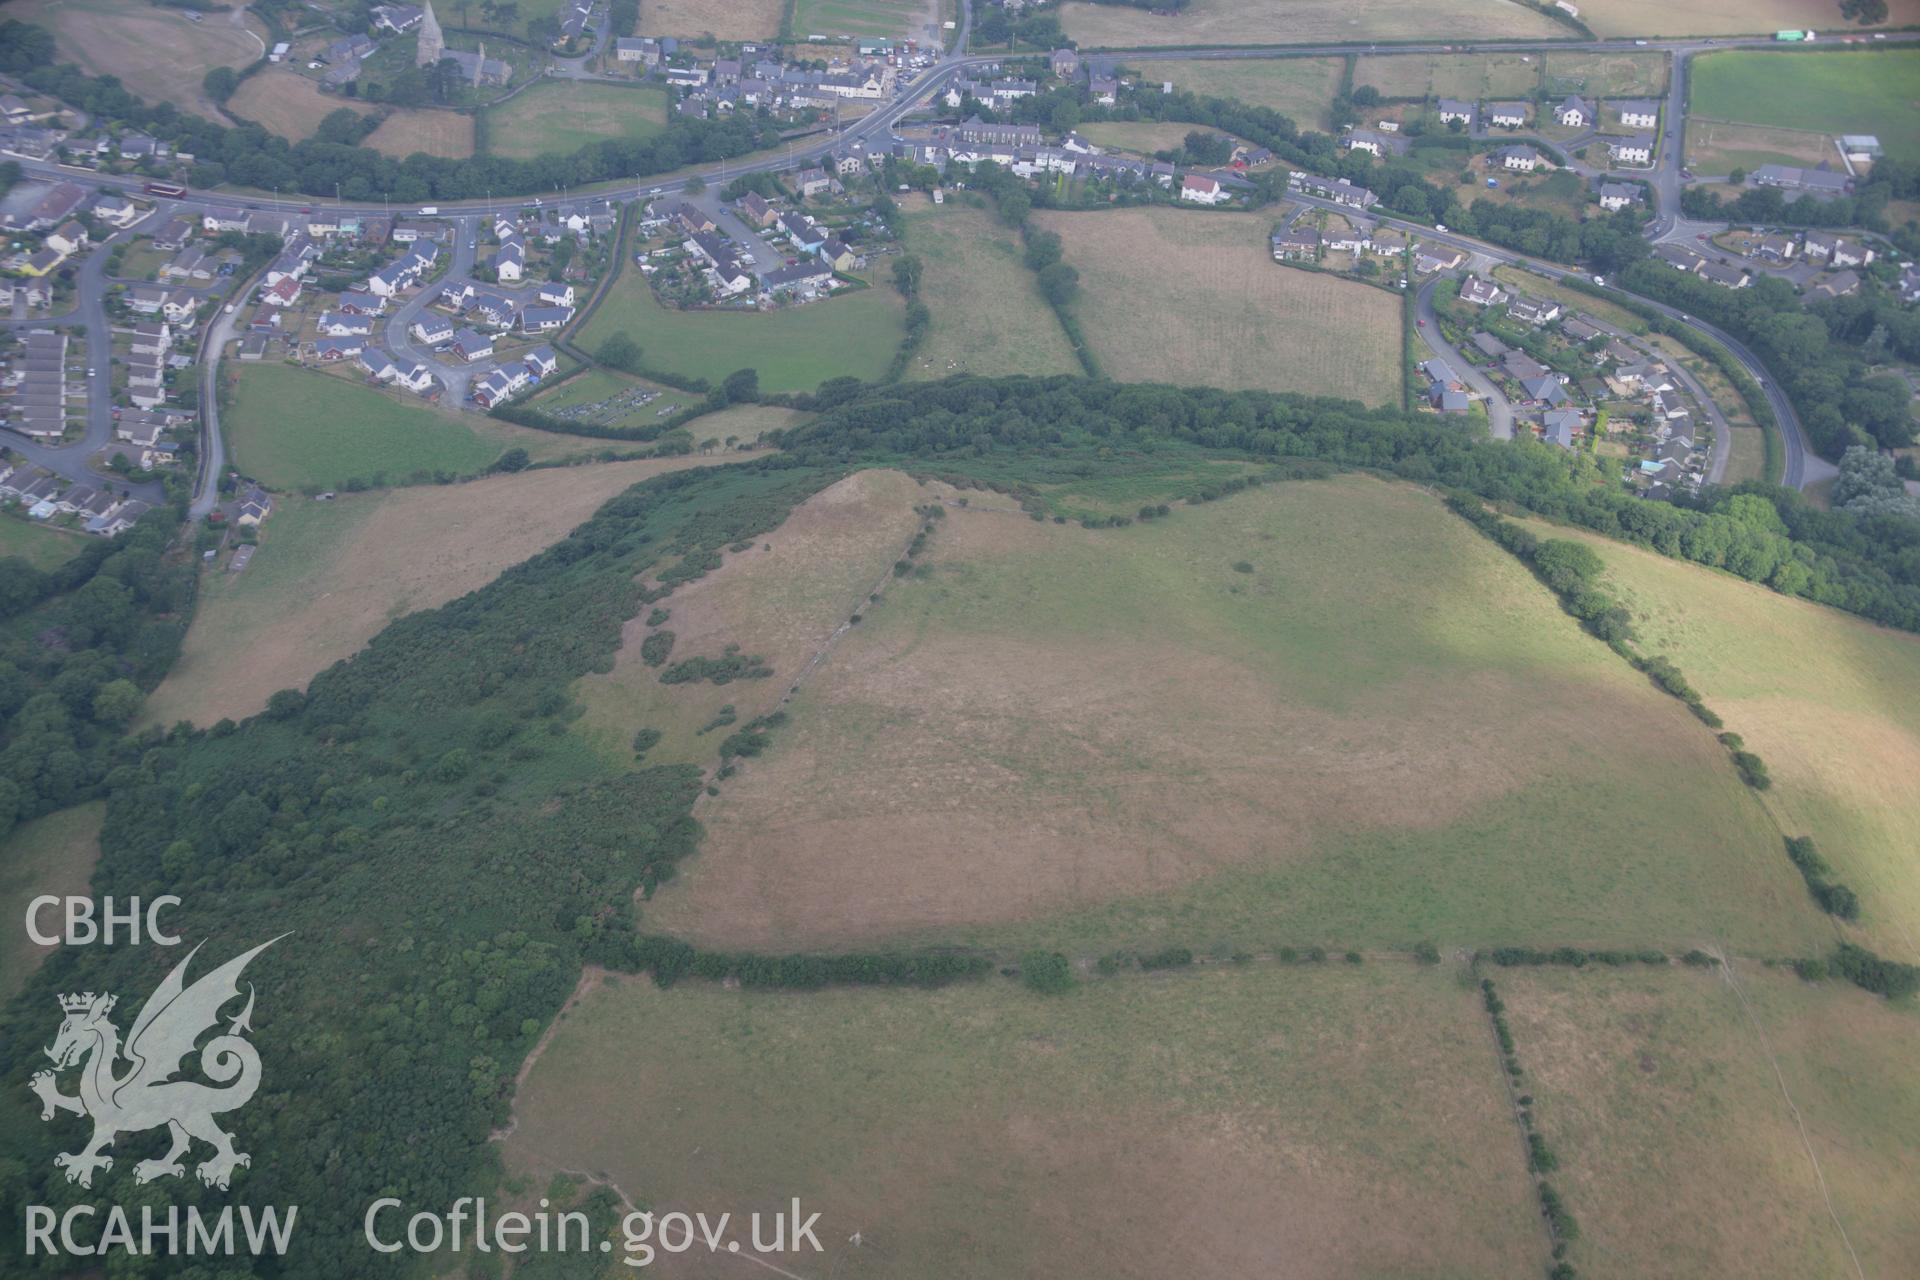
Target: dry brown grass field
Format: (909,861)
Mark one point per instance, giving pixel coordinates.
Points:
(1236,1122)
(988,315)
(1301,88)
(1610,75)
(50,855)
(723,19)
(158,53)
(437,133)
(1830,702)
(1416,75)
(287,103)
(1192,297)
(1681,1151)
(1228,22)
(328,576)
(783,599)
(1145,136)
(1384,730)
(1715,147)
(1725,17)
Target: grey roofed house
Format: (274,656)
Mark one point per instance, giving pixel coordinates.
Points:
(540,319)
(1299,242)
(1509,114)
(795,276)
(1679,257)
(1558,426)
(1439,371)
(1579,330)
(1725,275)
(1573,106)
(1489,346)
(1617,195)
(1545,389)
(1838,285)
(1818,181)
(1634,110)
(1521,366)
(1450,401)
(1450,108)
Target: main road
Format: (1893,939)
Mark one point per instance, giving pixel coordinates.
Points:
(1802,467)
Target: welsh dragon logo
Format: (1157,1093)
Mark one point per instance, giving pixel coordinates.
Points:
(145,1095)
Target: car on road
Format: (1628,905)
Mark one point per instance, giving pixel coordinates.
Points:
(89,373)
(1439,226)
(1421,322)
(1601,281)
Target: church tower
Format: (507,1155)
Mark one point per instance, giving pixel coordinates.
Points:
(433,45)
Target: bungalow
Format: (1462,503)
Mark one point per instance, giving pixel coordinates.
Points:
(340,325)
(1776,248)
(1637,150)
(544,319)
(644,50)
(1521,367)
(1638,113)
(15,109)
(1558,425)
(493,309)
(836,254)
(1481,293)
(1615,196)
(1679,257)
(1438,258)
(145,299)
(1301,243)
(1838,285)
(191,263)
(1387,242)
(1580,331)
(1544,389)
(1452,109)
(333,350)
(361,304)
(218,218)
(1489,346)
(1507,115)
(1726,275)
(1201,189)
(1441,374)
(1819,181)
(1534,311)
(253,347)
(1374,144)
(1349,241)
(1448,400)
(1573,113)
(172,234)
(804,277)
(471,345)
(1525,159)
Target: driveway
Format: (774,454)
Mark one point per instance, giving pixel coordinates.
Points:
(1499,412)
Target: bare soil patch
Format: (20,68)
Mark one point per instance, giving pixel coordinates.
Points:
(1724,17)
(329,576)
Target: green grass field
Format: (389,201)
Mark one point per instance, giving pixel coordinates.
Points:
(1831,703)
(1238,1122)
(290,427)
(1680,1149)
(1144,136)
(875,18)
(988,315)
(561,116)
(37,544)
(1301,88)
(1385,731)
(795,349)
(607,398)
(50,855)
(1833,93)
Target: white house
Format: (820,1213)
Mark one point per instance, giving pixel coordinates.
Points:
(1573,113)
(1201,189)
(1638,113)
(1524,159)
(1637,150)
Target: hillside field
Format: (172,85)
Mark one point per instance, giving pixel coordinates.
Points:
(290,427)
(329,575)
(40,546)
(1304,1123)
(988,315)
(1301,88)
(1680,1148)
(1830,702)
(558,117)
(1830,93)
(447,134)
(50,855)
(1206,23)
(794,348)
(287,103)
(159,53)
(1383,730)
(1192,297)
